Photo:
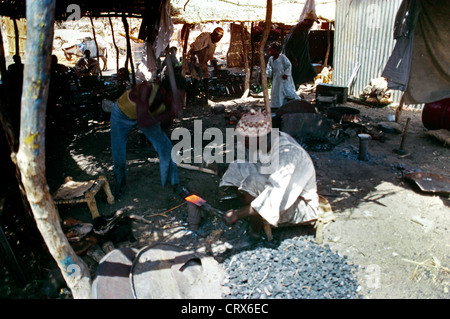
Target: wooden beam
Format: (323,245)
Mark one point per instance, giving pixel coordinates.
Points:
(246,67)
(252,47)
(262,61)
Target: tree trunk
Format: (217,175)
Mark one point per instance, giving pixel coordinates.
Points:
(262,61)
(31,154)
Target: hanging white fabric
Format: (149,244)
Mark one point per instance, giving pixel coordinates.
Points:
(147,70)
(309,11)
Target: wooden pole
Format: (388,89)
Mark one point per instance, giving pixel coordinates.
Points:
(185,43)
(31,154)
(129,54)
(17,35)
(3,69)
(262,61)
(252,47)
(325,63)
(399,110)
(247,69)
(96,45)
(115,45)
(5,104)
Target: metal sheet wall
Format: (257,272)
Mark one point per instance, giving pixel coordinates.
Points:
(364,37)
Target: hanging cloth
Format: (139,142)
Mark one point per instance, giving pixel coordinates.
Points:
(429,78)
(398,66)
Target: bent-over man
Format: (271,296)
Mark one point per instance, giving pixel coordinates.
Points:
(279,188)
(201,52)
(150,107)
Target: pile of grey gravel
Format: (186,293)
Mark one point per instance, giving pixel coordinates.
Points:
(294,268)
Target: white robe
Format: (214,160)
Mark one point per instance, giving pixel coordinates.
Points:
(285,195)
(283,90)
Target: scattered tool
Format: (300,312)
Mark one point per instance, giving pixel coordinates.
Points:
(401,150)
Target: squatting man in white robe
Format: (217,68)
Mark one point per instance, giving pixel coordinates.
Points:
(283,193)
(279,69)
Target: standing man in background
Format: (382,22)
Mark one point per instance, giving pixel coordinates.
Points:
(279,70)
(296,49)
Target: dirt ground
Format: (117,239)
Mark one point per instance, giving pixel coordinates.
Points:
(396,233)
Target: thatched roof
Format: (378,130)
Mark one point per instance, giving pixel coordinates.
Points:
(283,11)
(184,11)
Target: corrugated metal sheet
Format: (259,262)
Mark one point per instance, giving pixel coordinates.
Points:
(364,38)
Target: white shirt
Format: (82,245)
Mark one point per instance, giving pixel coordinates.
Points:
(287,193)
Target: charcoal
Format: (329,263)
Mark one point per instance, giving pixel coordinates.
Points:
(294,268)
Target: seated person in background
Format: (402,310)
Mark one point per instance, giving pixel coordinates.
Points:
(279,187)
(15,84)
(150,107)
(59,89)
(15,77)
(16,69)
(87,65)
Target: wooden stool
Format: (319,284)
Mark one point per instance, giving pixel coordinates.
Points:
(83,192)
